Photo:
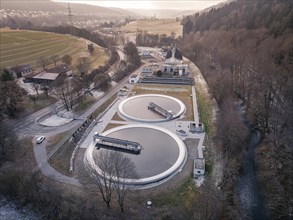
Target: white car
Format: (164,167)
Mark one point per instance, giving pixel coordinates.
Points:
(40,139)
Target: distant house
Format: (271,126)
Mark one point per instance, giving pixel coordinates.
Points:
(43,78)
(174,64)
(145,53)
(22,70)
(61,69)
(199,167)
(133,78)
(147,69)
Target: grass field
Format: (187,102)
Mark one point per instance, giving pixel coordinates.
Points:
(25,47)
(160,26)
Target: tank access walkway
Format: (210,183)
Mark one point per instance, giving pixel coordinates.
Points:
(117,144)
(161,111)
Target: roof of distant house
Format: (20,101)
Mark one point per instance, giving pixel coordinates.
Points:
(31,75)
(21,68)
(63,68)
(46,76)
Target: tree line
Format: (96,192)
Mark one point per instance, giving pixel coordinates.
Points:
(101,40)
(131,63)
(143,38)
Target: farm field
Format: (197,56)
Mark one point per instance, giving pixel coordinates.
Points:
(19,47)
(160,26)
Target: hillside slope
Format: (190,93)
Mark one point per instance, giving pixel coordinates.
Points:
(40,5)
(50,6)
(245,51)
(277,16)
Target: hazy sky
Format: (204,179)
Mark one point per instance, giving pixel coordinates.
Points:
(147,4)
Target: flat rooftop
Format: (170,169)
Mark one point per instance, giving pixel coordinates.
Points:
(199,163)
(133,76)
(46,76)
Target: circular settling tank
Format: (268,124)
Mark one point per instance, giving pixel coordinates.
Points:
(137,107)
(163,153)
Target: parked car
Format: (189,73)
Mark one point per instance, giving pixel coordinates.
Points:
(40,139)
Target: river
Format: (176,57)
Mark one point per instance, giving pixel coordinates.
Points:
(248,187)
(10,211)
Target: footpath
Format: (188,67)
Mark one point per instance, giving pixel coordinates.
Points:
(203,89)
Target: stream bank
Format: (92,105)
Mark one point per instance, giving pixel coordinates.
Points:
(248,188)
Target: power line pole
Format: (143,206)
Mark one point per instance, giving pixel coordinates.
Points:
(70,15)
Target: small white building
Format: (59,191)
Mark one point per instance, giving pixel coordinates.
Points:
(196,128)
(133,78)
(147,69)
(199,167)
(144,53)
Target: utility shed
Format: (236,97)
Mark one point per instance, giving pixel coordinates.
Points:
(199,167)
(133,78)
(196,128)
(145,53)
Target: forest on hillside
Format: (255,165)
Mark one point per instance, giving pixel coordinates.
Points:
(245,52)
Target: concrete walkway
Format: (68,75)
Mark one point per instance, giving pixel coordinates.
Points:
(43,165)
(194,104)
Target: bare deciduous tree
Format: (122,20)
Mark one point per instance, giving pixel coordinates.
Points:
(102,81)
(45,89)
(8,140)
(115,168)
(124,171)
(132,54)
(43,62)
(55,58)
(36,87)
(33,98)
(83,65)
(105,179)
(65,91)
(90,48)
(67,59)
(10,97)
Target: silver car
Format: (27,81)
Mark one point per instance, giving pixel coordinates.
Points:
(40,139)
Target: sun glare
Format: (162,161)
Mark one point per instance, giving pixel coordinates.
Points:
(122,4)
(150,4)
